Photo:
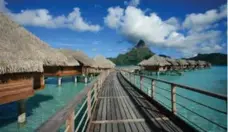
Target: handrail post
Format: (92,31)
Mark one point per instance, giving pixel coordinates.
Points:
(70,122)
(173,98)
(95,92)
(141,81)
(134,79)
(89,103)
(152,88)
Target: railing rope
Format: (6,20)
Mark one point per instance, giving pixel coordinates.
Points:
(173,98)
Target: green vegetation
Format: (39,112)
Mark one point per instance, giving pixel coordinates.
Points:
(213,58)
(134,56)
(140,52)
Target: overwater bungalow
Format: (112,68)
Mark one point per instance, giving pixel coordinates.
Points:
(26,46)
(31,47)
(87,64)
(174,64)
(155,64)
(192,64)
(208,64)
(182,64)
(21,65)
(103,63)
(201,64)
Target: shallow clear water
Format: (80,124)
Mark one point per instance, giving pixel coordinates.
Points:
(41,106)
(213,80)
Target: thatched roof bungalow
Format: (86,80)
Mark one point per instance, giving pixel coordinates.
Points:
(155,63)
(201,64)
(70,68)
(208,64)
(16,77)
(192,64)
(21,52)
(103,63)
(183,63)
(88,65)
(174,64)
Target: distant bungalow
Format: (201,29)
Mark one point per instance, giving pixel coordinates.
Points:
(103,63)
(192,64)
(156,64)
(182,63)
(162,64)
(174,64)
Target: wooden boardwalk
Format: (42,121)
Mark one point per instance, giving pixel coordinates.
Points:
(121,108)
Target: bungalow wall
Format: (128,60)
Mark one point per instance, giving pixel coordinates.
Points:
(62,70)
(15,87)
(156,68)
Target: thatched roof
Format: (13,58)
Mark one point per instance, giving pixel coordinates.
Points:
(172,61)
(201,62)
(15,39)
(84,59)
(142,62)
(192,62)
(102,62)
(182,62)
(12,65)
(70,57)
(155,61)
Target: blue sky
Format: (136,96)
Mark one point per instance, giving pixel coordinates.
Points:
(176,28)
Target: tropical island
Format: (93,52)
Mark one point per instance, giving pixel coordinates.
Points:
(58,70)
(141,51)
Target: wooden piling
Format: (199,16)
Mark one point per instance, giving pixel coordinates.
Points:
(59,81)
(21,119)
(75,79)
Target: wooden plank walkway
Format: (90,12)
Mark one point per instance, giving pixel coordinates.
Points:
(121,108)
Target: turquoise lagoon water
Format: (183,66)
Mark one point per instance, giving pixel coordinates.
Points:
(41,106)
(213,80)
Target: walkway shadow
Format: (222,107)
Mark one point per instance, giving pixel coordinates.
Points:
(148,111)
(8,112)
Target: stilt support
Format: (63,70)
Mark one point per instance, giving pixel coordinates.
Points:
(21,119)
(59,81)
(75,79)
(86,80)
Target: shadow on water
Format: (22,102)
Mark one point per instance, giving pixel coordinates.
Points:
(8,112)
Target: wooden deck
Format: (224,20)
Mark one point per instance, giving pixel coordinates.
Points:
(121,108)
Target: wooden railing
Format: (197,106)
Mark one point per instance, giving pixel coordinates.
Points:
(171,91)
(69,118)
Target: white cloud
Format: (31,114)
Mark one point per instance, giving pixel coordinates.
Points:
(134,25)
(201,21)
(113,20)
(3,6)
(206,42)
(132,3)
(173,21)
(43,18)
